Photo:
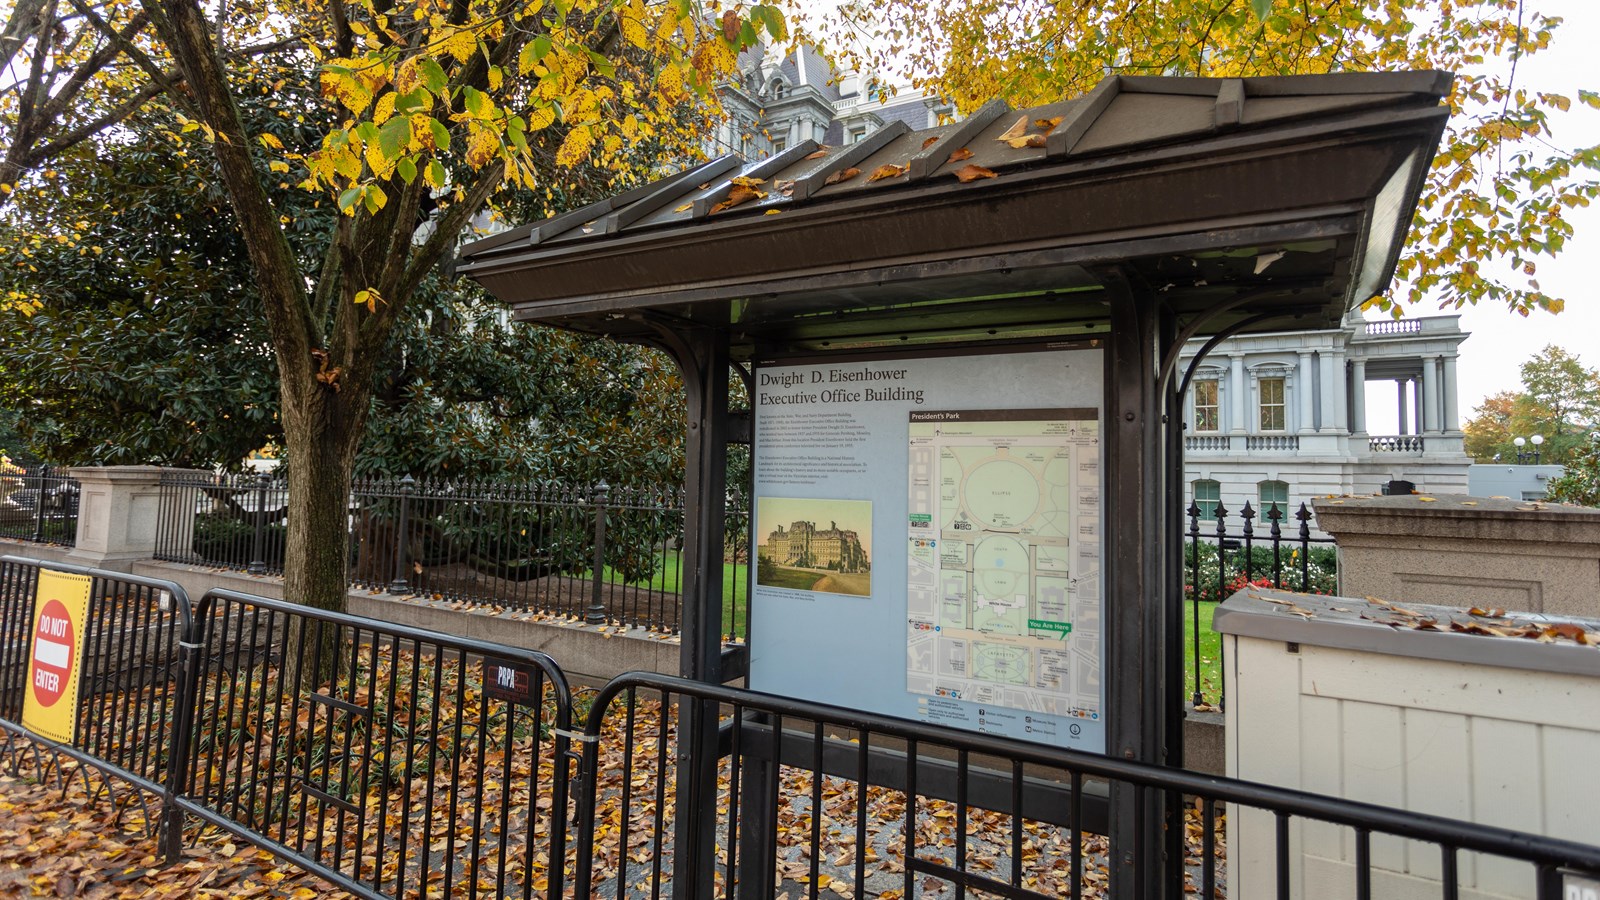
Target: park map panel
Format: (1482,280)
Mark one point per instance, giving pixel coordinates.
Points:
(1003,583)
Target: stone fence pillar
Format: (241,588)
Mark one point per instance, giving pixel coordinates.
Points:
(118,515)
(1455,550)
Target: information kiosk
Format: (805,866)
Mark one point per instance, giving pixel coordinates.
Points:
(961,346)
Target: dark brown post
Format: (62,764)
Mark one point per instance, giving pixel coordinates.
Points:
(702,358)
(1138,614)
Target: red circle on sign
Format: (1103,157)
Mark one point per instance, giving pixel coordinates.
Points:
(52,653)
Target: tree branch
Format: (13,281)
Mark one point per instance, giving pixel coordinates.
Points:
(18,25)
(280,284)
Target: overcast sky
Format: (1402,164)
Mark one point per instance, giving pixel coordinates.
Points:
(1501,340)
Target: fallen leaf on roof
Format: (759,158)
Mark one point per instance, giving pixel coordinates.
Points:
(1426,500)
(1017,129)
(1486,613)
(972,172)
(746,181)
(1027,140)
(842,175)
(959,155)
(684,208)
(703,186)
(930,142)
(739,194)
(1047,125)
(887,170)
(772,212)
(817,154)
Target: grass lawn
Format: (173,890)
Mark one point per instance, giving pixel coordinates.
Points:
(1210,654)
(735,589)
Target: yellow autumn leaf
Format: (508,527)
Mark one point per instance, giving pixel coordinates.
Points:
(575,147)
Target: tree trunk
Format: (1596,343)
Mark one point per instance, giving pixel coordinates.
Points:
(322,431)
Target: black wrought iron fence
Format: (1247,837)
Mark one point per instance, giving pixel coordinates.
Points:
(230,521)
(395,762)
(605,555)
(1225,552)
(38,504)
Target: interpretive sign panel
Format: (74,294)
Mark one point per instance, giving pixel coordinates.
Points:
(927,539)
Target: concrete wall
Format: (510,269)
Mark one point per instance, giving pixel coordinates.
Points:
(1502,731)
(1465,551)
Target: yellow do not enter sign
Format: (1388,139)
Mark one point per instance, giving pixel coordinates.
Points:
(55,655)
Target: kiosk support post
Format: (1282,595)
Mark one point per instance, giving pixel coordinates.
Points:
(702,358)
(1137,697)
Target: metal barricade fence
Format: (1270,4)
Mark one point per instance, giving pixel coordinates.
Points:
(391,760)
(398,762)
(812,801)
(131,691)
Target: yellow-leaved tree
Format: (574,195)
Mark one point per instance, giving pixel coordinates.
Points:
(1501,185)
(438,105)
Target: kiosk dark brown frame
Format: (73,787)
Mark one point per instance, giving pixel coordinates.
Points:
(1154,211)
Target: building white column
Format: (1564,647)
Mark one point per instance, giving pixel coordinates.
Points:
(1452,414)
(794,133)
(1358,396)
(1303,383)
(1238,396)
(1331,401)
(1341,393)
(1430,395)
(1400,389)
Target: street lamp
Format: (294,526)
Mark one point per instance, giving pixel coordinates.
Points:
(1523,456)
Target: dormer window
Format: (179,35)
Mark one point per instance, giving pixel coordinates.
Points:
(777,89)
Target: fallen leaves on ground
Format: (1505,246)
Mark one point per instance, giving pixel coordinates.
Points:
(74,844)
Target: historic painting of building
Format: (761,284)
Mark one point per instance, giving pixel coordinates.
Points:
(805,546)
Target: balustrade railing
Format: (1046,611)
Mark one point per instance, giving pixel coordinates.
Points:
(1395,443)
(1205,442)
(1272,442)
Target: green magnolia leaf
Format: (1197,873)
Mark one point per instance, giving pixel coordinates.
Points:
(348,199)
(1262,8)
(407,169)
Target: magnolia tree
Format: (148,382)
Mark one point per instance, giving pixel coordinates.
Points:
(1501,186)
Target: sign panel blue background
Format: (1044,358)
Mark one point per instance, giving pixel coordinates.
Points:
(835,430)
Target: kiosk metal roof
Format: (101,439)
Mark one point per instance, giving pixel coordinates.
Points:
(1240,198)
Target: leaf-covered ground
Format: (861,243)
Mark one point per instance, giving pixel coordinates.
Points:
(91,842)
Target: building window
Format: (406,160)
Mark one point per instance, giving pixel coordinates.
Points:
(779,145)
(857,132)
(1272,405)
(1273,494)
(1207,494)
(779,90)
(1206,407)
